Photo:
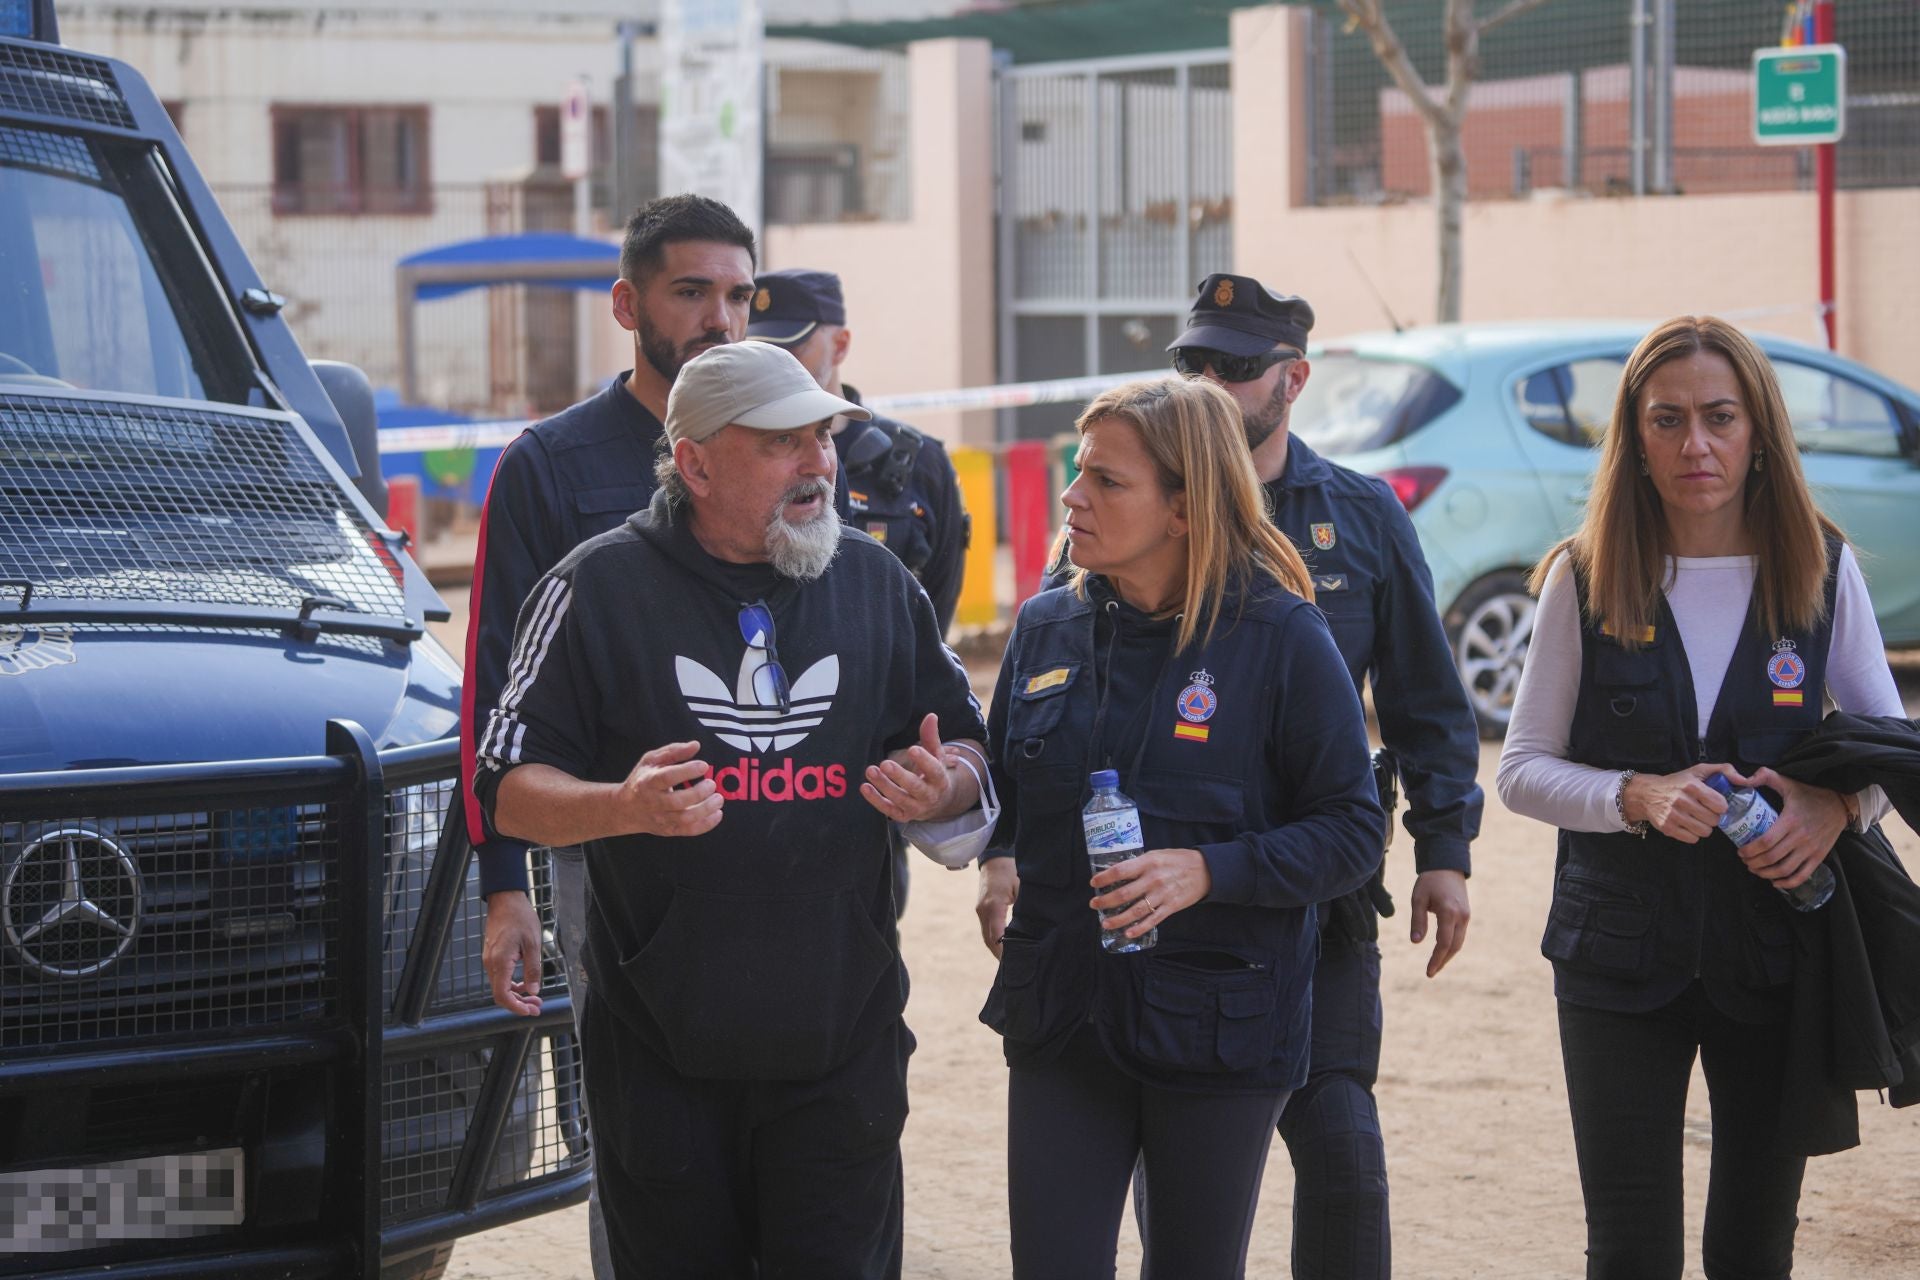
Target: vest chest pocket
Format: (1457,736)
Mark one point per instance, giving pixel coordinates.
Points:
(1039,700)
(1600,927)
(1177,809)
(1632,719)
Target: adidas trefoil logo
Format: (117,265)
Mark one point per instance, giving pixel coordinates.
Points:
(740,719)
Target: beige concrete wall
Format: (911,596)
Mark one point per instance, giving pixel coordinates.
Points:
(1554,257)
(920,293)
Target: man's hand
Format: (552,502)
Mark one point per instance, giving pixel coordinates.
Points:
(670,793)
(999,889)
(915,784)
(1811,820)
(1443,895)
(1152,886)
(513,937)
(1679,805)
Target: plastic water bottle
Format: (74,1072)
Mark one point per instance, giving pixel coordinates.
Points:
(1112,826)
(1748,817)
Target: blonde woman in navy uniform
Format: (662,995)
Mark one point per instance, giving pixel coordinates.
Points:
(1183,655)
(1695,625)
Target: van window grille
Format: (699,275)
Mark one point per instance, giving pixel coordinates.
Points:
(52,82)
(115,501)
(52,152)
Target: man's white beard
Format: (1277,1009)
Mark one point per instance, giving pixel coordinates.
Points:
(803,551)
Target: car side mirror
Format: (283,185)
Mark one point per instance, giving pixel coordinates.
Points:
(352,397)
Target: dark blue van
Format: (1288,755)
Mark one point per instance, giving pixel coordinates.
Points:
(244,1030)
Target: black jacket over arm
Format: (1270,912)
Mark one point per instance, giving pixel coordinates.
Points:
(1856,996)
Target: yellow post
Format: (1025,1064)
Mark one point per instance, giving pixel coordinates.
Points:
(978,599)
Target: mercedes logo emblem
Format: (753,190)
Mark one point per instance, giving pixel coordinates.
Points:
(70,904)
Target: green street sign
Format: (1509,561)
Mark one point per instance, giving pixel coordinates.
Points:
(1799,95)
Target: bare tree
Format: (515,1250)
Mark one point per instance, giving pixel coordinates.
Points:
(1445,116)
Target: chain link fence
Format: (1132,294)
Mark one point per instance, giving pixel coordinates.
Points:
(838,122)
(1607,97)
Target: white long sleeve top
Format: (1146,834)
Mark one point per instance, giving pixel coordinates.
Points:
(1708,597)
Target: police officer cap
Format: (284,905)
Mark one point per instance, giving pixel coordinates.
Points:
(788,304)
(1242,317)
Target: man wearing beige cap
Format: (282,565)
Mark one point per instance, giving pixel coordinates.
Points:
(726,700)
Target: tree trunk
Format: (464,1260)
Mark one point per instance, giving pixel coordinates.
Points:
(1450,202)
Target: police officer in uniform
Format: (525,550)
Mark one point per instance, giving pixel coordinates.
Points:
(901,489)
(1371,580)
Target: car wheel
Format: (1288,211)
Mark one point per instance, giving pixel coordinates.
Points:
(1489,628)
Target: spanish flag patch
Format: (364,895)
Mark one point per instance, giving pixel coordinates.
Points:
(1788,698)
(1191,732)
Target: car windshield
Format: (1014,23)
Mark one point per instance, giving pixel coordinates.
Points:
(1353,403)
(102,287)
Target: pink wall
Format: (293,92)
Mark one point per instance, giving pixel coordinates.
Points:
(920,293)
(1567,257)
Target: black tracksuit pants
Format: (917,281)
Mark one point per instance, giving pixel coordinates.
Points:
(747,1179)
(1627,1077)
(1075,1127)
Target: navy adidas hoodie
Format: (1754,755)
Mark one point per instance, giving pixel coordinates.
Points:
(765,948)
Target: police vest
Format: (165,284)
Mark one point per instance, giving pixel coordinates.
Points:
(1634,920)
(883,501)
(1222,1001)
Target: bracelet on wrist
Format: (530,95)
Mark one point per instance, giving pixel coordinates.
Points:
(1620,805)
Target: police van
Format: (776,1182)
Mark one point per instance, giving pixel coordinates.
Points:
(244,1028)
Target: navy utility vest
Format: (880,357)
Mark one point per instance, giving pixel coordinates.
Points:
(1635,920)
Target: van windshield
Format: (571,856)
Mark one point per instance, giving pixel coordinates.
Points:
(102,286)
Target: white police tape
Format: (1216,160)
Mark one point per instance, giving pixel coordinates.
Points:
(1012,395)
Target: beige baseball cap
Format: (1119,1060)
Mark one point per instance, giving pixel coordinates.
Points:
(748,384)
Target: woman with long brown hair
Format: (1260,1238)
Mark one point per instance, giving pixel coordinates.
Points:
(1183,658)
(1694,626)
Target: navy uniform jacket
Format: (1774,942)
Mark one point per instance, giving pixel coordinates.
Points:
(1247,747)
(565,479)
(914,510)
(1371,580)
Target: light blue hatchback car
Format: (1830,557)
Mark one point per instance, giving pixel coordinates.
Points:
(1487,434)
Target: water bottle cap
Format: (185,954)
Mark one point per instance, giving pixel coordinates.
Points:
(1721,783)
(1106,778)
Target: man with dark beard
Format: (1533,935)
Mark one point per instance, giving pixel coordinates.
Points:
(696,696)
(1371,580)
(686,282)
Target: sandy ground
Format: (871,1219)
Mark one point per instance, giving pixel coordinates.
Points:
(1471,1097)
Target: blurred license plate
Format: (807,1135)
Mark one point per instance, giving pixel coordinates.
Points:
(156,1198)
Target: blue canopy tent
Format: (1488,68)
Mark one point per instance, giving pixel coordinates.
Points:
(545,259)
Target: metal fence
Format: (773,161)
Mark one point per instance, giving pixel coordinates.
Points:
(1609,97)
(1117,195)
(838,122)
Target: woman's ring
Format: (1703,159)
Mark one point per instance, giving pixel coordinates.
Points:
(1150,907)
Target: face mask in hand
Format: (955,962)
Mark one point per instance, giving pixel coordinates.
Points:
(958,842)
